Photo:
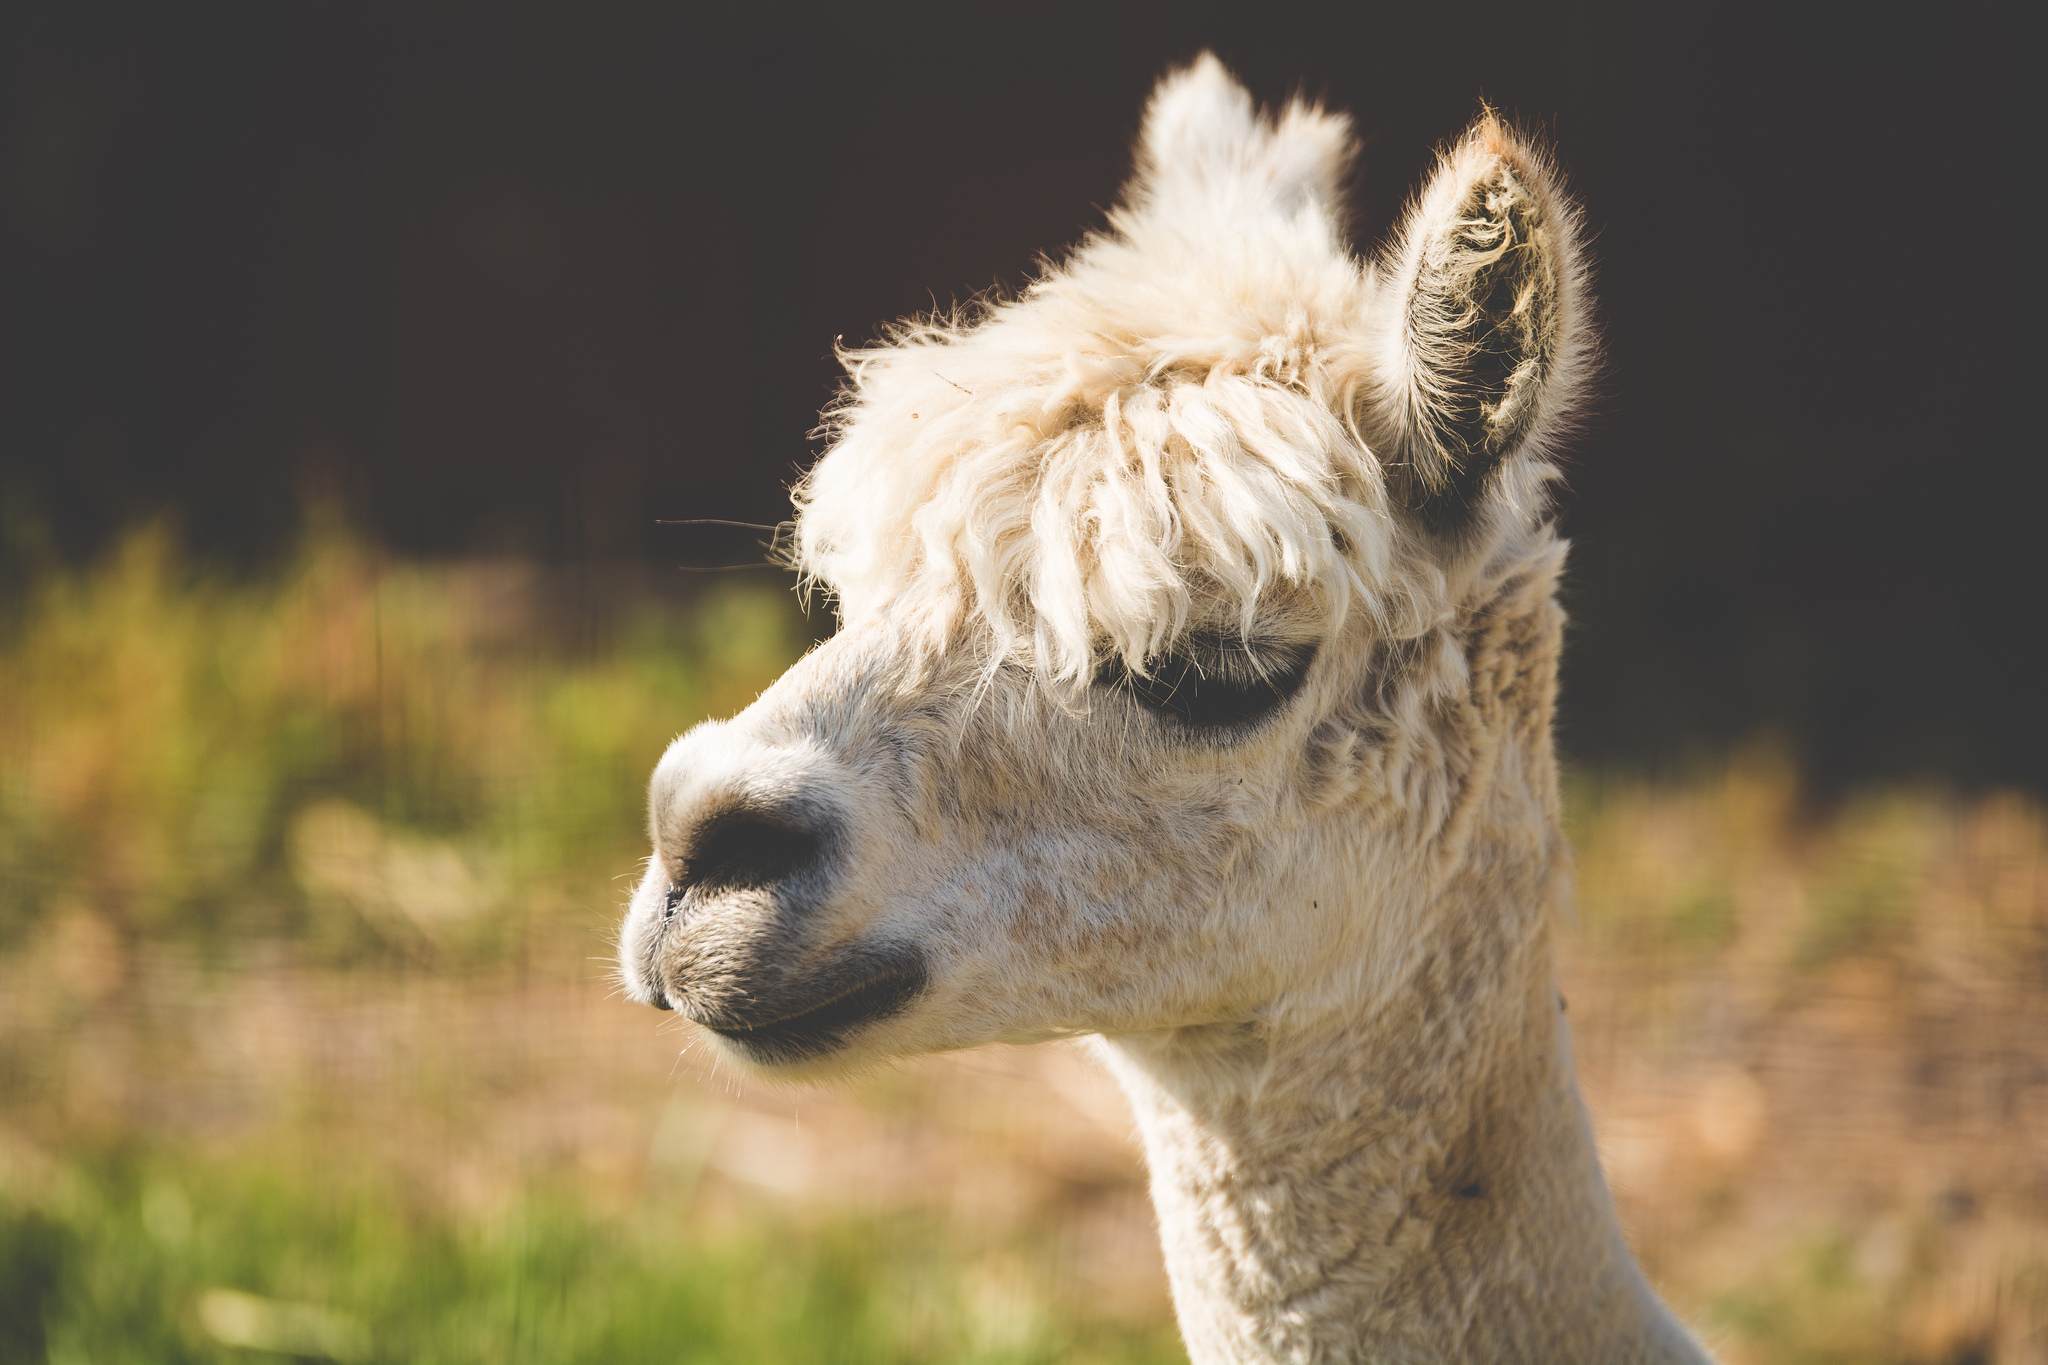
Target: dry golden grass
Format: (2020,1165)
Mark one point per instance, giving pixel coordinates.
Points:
(1816,1046)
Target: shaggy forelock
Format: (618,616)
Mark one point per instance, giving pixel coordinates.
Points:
(1162,430)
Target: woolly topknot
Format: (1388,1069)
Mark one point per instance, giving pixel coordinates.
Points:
(1162,431)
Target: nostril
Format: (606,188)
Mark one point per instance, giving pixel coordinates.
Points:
(747,849)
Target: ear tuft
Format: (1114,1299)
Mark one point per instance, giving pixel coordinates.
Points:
(1198,116)
(1483,343)
(1206,153)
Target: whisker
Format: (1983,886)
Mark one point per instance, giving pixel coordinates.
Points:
(734,568)
(720,521)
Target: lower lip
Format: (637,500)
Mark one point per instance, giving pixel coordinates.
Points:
(825,1027)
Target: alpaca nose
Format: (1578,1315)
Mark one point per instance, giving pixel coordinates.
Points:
(750,847)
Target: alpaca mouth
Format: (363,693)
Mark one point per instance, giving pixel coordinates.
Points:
(823,1019)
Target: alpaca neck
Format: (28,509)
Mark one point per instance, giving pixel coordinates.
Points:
(1329,1191)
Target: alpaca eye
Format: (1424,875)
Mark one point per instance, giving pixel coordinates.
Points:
(675,898)
(1211,684)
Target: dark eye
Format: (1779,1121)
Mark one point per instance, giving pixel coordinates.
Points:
(1210,683)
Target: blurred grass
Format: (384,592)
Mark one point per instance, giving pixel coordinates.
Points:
(303,1052)
(1815,1040)
(152,1256)
(361,758)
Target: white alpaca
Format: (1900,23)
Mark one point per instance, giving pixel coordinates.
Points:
(1194,690)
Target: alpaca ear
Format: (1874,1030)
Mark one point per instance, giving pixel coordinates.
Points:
(1482,344)
(1207,155)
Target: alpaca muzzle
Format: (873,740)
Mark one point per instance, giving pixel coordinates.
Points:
(745,924)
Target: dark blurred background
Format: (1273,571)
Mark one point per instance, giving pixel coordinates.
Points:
(524,281)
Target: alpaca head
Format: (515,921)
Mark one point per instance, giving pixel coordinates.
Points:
(1155,586)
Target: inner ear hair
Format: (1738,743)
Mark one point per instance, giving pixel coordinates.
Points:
(1482,284)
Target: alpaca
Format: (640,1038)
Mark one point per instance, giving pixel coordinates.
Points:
(1193,691)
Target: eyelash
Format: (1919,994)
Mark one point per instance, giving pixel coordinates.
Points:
(1213,685)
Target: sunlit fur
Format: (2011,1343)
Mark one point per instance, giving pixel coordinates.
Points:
(1316,948)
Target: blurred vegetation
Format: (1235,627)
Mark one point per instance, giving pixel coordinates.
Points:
(1816,1045)
(367,804)
(360,758)
(130,1258)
